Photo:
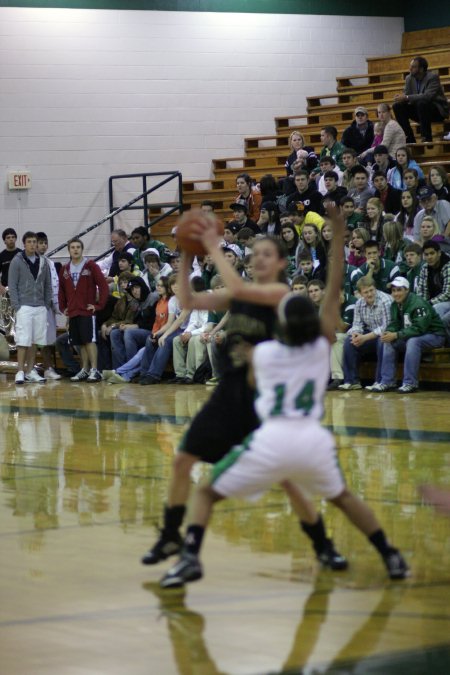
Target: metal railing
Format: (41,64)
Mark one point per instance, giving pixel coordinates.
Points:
(130,205)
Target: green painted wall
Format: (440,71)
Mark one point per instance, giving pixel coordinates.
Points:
(437,12)
(344,7)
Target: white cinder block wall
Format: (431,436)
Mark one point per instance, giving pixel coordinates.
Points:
(85,94)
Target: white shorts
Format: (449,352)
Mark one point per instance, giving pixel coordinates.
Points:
(302,452)
(31,326)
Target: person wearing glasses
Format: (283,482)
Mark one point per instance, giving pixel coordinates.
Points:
(359,135)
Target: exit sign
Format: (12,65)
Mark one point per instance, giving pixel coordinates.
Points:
(19,180)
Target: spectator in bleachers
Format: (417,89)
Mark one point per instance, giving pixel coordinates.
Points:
(9,237)
(383,160)
(269,222)
(403,161)
(246,239)
(422,100)
(334,192)
(390,197)
(189,349)
(359,135)
(110,264)
(438,179)
(349,160)
(301,216)
(434,281)
(125,263)
(393,135)
(268,188)
(316,292)
(413,327)
(377,269)
(327,235)
(299,284)
(352,218)
(414,262)
(361,192)
(142,240)
(230,237)
(241,215)
(207,206)
(374,219)
(128,338)
(123,312)
(357,256)
(297,144)
(347,308)
(307,268)
(429,231)
(395,243)
(174,261)
(312,242)
(412,180)
(131,368)
(331,146)
(371,316)
(248,267)
(154,268)
(305,192)
(408,211)
(326,164)
(367,157)
(290,238)
(432,206)
(248,192)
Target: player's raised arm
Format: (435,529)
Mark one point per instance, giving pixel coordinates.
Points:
(330,303)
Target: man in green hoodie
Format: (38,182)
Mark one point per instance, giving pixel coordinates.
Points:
(414,326)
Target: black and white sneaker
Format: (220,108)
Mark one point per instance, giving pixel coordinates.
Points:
(396,565)
(81,376)
(187,569)
(329,557)
(94,376)
(163,549)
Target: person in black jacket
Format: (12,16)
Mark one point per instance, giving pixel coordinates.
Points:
(306,192)
(359,135)
(390,197)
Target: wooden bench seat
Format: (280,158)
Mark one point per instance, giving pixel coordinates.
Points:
(435,57)
(397,77)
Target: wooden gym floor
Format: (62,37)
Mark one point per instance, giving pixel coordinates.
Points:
(84,471)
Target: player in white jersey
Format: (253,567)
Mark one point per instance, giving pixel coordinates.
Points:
(290,447)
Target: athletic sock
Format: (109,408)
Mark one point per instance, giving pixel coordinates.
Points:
(379,541)
(173,518)
(316,533)
(193,539)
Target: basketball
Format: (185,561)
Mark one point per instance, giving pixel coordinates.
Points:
(189,226)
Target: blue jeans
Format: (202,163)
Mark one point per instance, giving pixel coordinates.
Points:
(413,348)
(352,358)
(155,358)
(132,367)
(443,309)
(125,344)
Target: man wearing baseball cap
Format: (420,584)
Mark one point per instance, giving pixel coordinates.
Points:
(432,206)
(359,135)
(414,326)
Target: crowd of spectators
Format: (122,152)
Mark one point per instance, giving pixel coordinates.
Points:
(127,324)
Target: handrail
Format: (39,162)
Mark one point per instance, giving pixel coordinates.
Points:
(171,175)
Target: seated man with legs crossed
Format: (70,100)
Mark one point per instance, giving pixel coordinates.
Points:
(414,326)
(372,315)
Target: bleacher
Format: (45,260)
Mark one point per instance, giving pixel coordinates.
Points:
(267,154)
